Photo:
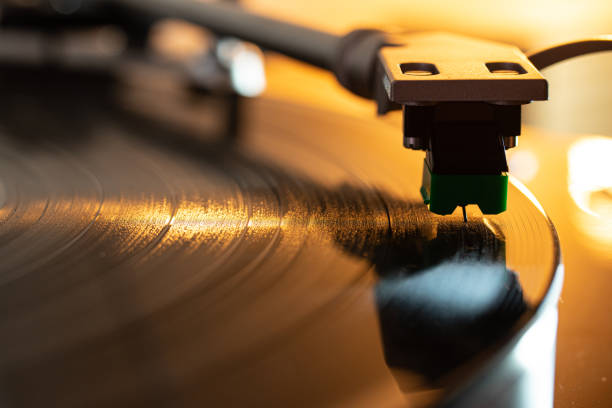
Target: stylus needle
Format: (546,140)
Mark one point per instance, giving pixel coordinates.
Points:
(464,213)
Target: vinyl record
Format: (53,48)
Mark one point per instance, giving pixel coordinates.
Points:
(146,262)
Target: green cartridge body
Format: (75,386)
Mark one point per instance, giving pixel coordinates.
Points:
(444,192)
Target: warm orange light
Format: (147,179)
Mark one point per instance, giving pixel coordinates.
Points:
(590,172)
(524,164)
(590,185)
(179,40)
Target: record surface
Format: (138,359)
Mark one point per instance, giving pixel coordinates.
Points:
(144,264)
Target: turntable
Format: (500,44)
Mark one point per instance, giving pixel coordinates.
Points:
(169,242)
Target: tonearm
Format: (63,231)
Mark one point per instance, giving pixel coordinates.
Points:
(461,97)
